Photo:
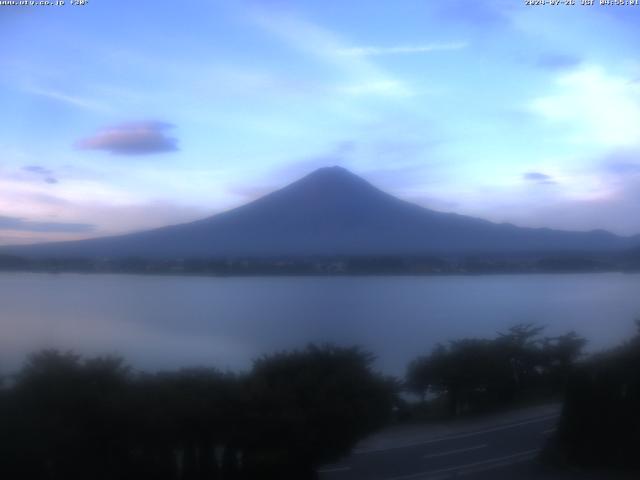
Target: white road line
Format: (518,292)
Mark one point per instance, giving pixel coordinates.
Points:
(549,431)
(459,436)
(484,464)
(459,450)
(334,469)
(504,462)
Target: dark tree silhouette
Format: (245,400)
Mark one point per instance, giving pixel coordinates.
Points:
(479,374)
(64,417)
(185,418)
(600,423)
(560,354)
(71,418)
(313,405)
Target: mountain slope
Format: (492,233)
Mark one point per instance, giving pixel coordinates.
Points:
(330,212)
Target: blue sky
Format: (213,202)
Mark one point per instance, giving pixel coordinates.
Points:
(118,116)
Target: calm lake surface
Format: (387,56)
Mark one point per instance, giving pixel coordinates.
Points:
(168,322)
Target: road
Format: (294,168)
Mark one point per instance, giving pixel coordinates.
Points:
(500,447)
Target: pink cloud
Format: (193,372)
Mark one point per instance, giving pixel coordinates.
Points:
(136,138)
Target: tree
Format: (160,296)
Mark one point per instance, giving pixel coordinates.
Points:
(477,374)
(463,372)
(312,406)
(68,417)
(560,354)
(183,418)
(600,422)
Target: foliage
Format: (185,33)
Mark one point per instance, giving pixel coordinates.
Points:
(316,403)
(66,417)
(476,374)
(600,423)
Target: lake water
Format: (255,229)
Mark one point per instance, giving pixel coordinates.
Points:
(171,321)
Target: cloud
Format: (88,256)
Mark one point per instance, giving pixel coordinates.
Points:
(605,195)
(556,61)
(16,223)
(595,108)
(614,209)
(400,178)
(360,76)
(137,138)
(84,217)
(538,177)
(142,215)
(400,50)
(250,192)
(440,204)
(622,163)
(381,88)
(625,168)
(45,174)
(72,100)
(36,169)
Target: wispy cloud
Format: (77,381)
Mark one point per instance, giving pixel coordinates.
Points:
(377,87)
(46,174)
(360,75)
(30,212)
(73,100)
(138,138)
(539,178)
(622,163)
(625,168)
(613,209)
(557,61)
(20,224)
(400,50)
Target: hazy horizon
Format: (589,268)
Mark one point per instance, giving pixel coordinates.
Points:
(206,216)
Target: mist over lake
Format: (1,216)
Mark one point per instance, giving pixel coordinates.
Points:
(160,322)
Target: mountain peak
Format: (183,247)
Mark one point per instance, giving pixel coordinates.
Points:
(334,172)
(328,185)
(334,169)
(331,211)
(333,177)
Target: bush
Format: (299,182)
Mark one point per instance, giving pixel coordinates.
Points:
(600,423)
(71,418)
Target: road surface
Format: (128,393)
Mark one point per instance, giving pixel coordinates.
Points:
(496,448)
